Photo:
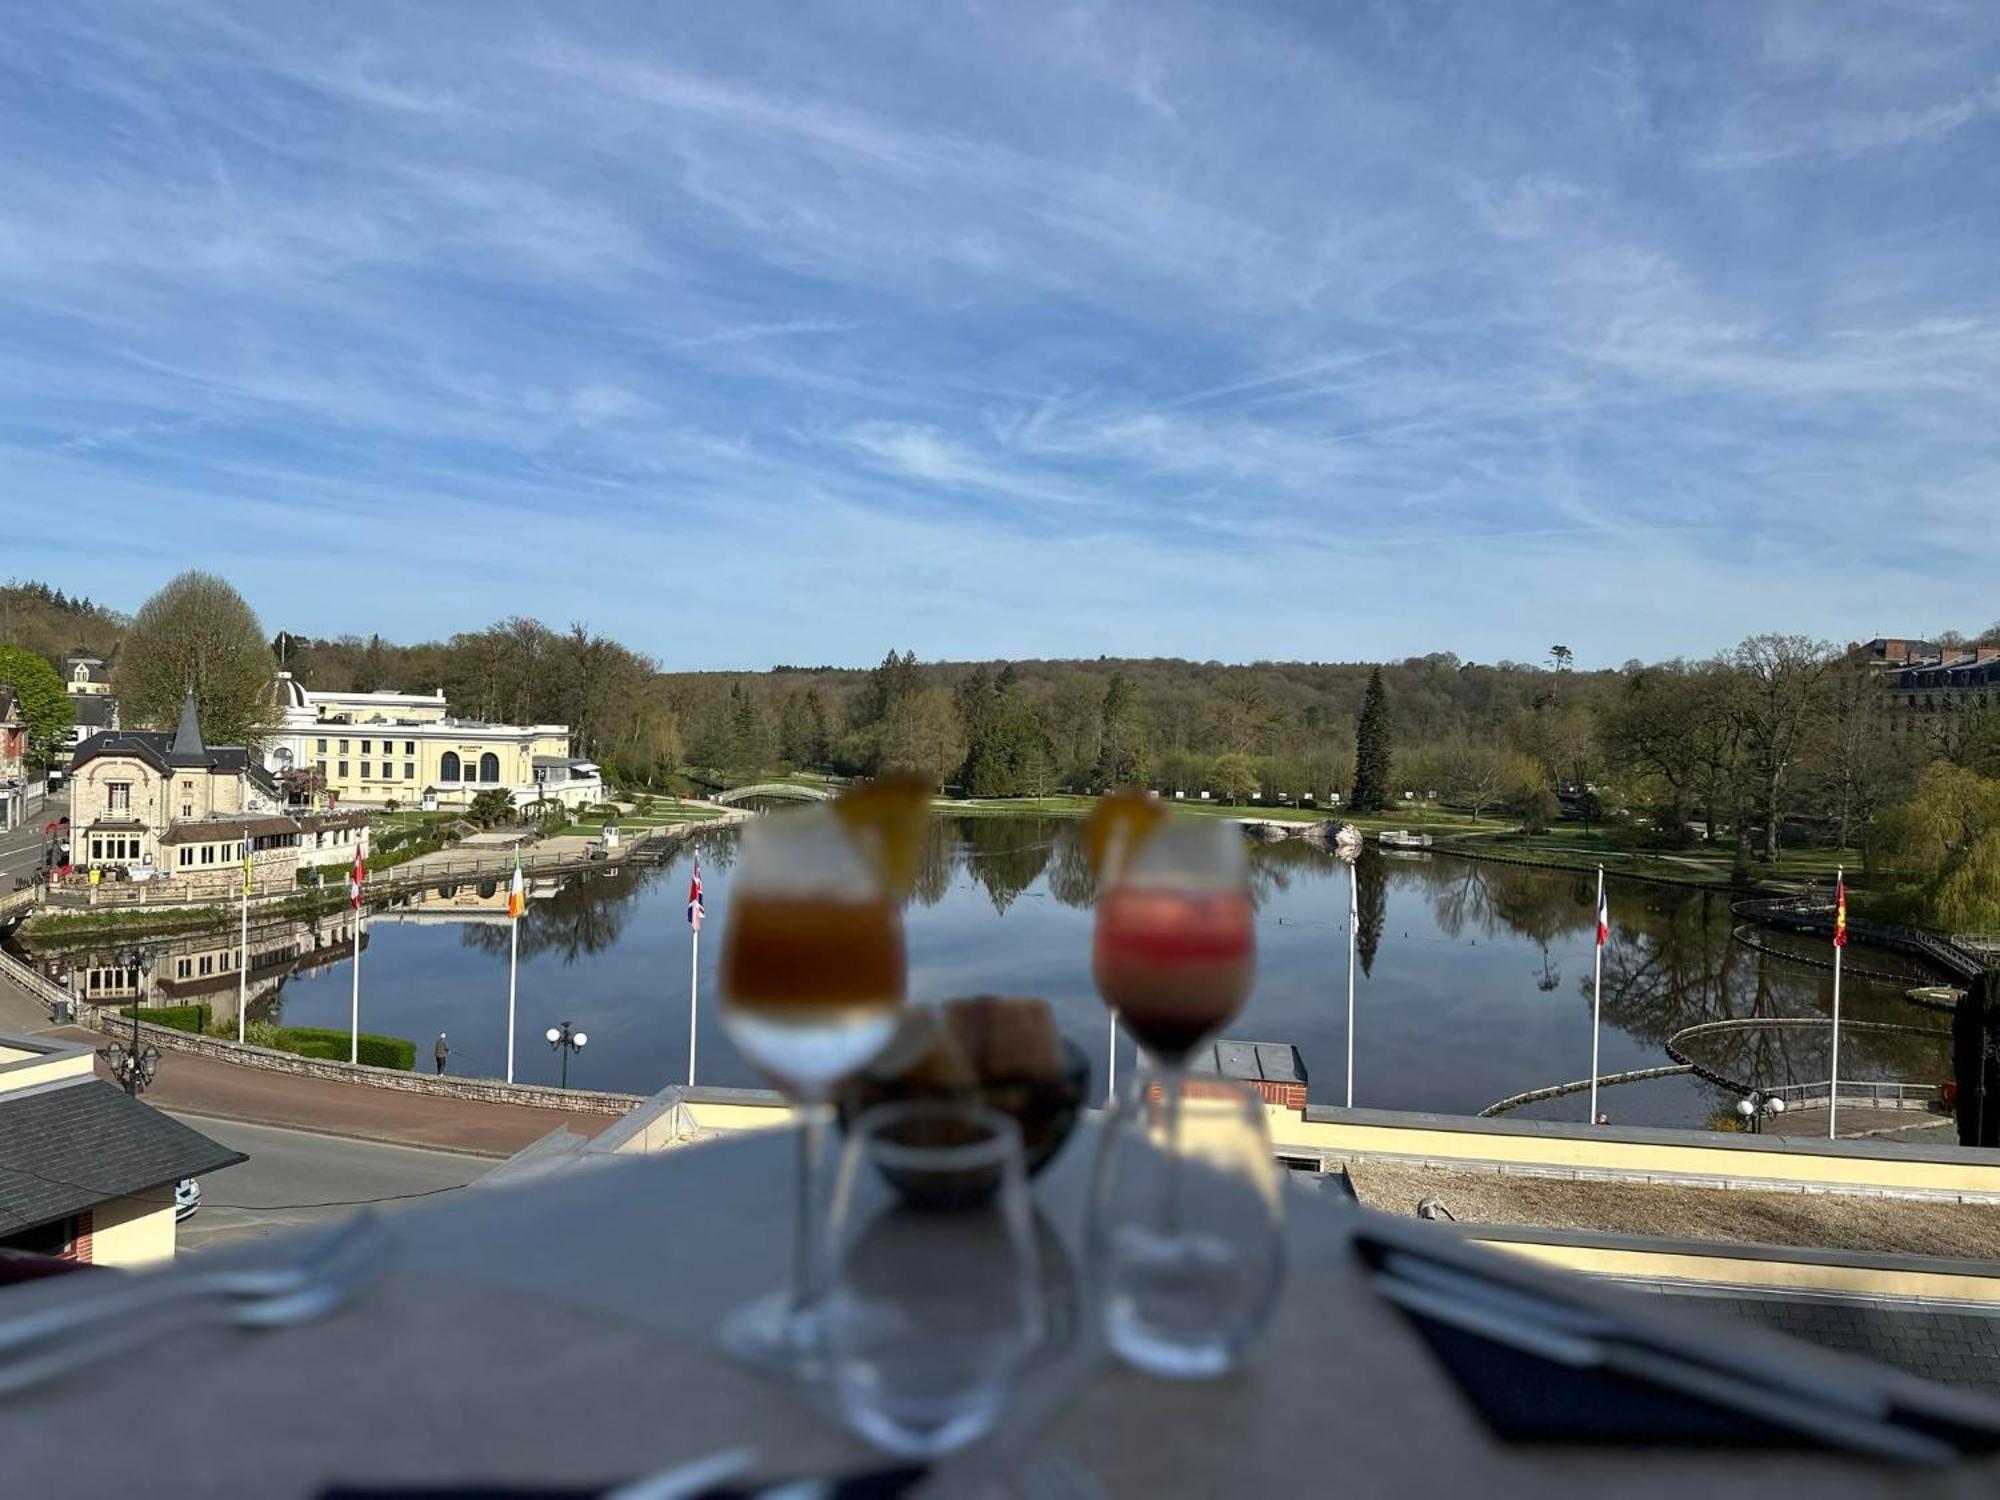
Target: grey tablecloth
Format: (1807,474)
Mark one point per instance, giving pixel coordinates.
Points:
(564,1331)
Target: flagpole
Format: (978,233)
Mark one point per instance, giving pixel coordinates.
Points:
(354,1004)
(1839,952)
(1596,993)
(243,954)
(1353,922)
(694,1010)
(513,968)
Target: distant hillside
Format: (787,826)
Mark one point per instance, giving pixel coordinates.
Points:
(54,625)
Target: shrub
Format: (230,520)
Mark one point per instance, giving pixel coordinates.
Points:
(326,1042)
(193,1018)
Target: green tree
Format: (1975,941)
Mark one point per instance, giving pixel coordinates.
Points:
(1526,792)
(44,706)
(1123,752)
(198,633)
(491,808)
(1944,841)
(1778,700)
(1373,749)
(1233,775)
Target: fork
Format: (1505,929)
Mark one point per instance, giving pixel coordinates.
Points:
(251,1297)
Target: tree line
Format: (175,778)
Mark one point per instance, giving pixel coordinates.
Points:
(1777,741)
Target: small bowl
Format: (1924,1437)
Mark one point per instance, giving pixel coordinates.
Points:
(1044,1108)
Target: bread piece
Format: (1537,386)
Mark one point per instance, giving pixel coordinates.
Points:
(924,1057)
(1006,1036)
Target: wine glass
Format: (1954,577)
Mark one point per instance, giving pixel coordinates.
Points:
(812,980)
(932,1311)
(1174,948)
(1185,1239)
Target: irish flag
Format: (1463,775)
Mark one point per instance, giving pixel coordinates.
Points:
(517,892)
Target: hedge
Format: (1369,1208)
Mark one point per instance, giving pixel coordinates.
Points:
(326,1042)
(193,1018)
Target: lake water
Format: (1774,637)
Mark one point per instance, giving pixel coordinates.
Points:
(1475,982)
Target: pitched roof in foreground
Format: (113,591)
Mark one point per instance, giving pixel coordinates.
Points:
(74,1145)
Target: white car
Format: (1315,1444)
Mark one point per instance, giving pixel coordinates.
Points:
(187,1198)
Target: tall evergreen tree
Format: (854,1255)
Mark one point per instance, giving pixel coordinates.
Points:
(1372,749)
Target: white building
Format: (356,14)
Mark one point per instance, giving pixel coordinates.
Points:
(374,748)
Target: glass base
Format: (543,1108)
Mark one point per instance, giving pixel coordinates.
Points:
(776,1336)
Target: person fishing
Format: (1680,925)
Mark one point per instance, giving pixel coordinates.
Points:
(441,1051)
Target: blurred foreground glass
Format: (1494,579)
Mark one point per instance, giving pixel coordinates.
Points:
(932,1310)
(812,978)
(1186,1234)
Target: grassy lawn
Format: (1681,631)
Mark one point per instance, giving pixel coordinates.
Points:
(1617,850)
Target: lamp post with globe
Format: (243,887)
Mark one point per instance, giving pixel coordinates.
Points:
(137,1066)
(1757,1107)
(566,1039)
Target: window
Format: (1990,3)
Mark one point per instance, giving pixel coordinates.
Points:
(343,770)
(187,858)
(343,747)
(320,766)
(367,767)
(96,850)
(367,747)
(184,967)
(409,770)
(207,963)
(187,809)
(448,767)
(409,747)
(489,767)
(208,854)
(118,796)
(322,747)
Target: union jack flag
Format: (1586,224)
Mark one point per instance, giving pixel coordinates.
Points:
(696,910)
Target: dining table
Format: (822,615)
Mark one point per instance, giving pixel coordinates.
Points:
(560,1333)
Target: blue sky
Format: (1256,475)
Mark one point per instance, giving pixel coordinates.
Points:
(754,333)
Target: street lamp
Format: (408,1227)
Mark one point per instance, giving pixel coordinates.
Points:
(137,1067)
(566,1039)
(1757,1106)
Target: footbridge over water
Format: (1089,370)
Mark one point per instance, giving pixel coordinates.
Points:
(782,790)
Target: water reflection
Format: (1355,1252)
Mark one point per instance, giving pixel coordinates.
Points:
(1477,974)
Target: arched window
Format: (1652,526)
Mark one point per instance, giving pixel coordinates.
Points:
(489,767)
(448,767)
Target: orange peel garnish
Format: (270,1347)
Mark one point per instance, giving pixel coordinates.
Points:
(885,818)
(1118,825)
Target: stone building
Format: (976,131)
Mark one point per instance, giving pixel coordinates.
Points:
(85,677)
(171,805)
(13,736)
(1931,690)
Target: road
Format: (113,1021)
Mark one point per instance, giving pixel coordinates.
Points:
(21,848)
(295,1178)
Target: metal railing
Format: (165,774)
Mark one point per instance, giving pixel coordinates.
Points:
(1857,1091)
(1815,914)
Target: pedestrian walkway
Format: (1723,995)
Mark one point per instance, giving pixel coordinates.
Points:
(206,1086)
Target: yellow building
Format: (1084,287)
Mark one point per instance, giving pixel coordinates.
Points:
(87,1172)
(407,748)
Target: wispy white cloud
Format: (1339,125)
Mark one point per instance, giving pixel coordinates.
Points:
(1089,331)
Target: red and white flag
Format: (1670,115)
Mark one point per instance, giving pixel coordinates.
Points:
(696,908)
(356,879)
(1603,915)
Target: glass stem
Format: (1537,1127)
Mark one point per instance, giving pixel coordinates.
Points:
(1173,1084)
(805,1258)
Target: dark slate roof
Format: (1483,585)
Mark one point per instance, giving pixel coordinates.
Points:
(155,748)
(1270,1062)
(187,748)
(1952,1346)
(67,1148)
(6,704)
(94,669)
(93,710)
